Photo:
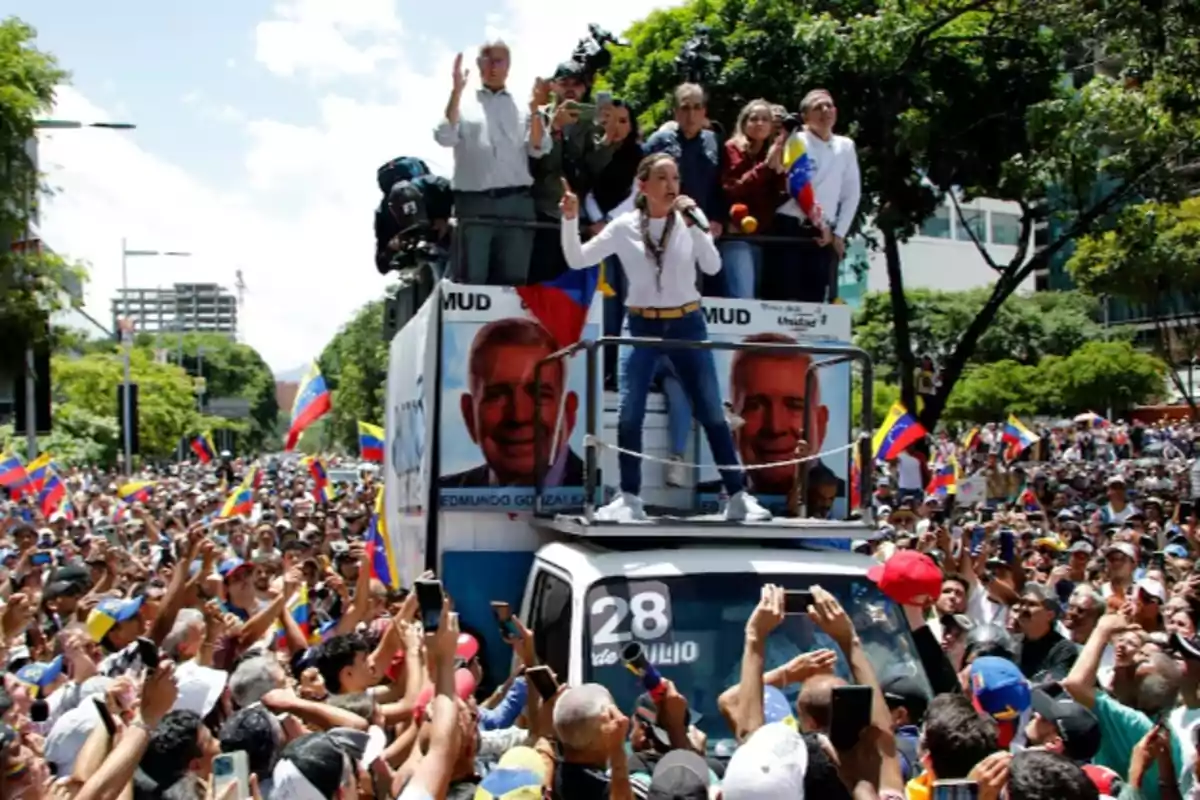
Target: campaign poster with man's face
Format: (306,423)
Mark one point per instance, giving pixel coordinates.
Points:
(491,408)
(770,407)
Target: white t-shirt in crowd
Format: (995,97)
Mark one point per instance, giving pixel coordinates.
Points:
(687,248)
(983,609)
(909,473)
(1182,720)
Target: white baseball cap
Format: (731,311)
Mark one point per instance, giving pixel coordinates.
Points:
(770,764)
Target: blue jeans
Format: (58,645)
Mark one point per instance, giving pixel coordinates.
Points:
(614,316)
(679,408)
(698,377)
(741,262)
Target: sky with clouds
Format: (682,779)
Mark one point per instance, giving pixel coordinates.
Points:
(259,128)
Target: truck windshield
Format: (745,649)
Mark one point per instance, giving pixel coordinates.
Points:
(692,628)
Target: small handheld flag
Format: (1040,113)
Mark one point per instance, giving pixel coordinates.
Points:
(370,442)
(379,547)
(13,476)
(897,433)
(136,491)
(202,446)
(38,471)
(798,165)
(313,401)
(1017,436)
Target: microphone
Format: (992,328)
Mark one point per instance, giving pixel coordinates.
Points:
(695,216)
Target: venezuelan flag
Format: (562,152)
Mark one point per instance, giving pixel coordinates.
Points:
(379,547)
(298,611)
(1017,436)
(561,305)
(202,446)
(241,499)
(13,475)
(798,165)
(970,438)
(320,476)
(370,442)
(51,495)
(898,431)
(944,480)
(313,401)
(38,471)
(136,491)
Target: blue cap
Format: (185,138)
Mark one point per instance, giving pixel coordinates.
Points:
(1176,551)
(999,688)
(231,565)
(7,553)
(776,707)
(41,674)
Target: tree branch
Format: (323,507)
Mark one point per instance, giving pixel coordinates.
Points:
(925,34)
(1026,237)
(981,247)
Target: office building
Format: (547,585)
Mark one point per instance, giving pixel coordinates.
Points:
(184,307)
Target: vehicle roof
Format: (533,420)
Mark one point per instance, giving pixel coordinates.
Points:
(588,562)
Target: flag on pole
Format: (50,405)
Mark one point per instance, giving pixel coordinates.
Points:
(897,433)
(313,401)
(370,442)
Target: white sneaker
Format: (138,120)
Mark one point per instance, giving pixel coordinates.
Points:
(675,473)
(625,507)
(743,507)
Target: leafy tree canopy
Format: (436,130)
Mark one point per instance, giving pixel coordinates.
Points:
(354,364)
(1096,377)
(33,280)
(1151,258)
(1026,328)
(166,405)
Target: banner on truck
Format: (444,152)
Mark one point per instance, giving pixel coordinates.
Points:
(412,383)
(766,396)
(490,345)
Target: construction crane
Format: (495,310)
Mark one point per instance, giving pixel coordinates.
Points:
(240,285)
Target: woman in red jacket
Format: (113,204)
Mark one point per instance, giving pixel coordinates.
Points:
(753,176)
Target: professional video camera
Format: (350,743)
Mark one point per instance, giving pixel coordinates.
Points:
(696,63)
(591,55)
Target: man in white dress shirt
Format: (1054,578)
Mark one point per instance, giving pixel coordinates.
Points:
(807,271)
(493,139)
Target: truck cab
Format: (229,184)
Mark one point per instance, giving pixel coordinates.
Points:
(687,606)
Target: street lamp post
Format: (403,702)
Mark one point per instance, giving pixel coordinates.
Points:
(30,364)
(127,340)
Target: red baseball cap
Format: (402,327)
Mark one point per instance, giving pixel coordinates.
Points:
(908,576)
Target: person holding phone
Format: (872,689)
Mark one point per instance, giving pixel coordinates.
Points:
(660,243)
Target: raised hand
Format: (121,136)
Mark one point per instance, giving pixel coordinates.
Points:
(569,205)
(459,75)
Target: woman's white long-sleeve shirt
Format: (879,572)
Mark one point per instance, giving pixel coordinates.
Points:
(622,237)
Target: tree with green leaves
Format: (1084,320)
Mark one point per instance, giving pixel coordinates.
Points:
(1026,327)
(354,364)
(166,404)
(1096,377)
(957,99)
(1151,259)
(33,280)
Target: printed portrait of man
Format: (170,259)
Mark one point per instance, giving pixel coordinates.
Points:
(767,393)
(499,409)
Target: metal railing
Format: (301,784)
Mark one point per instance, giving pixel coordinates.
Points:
(458,269)
(837,354)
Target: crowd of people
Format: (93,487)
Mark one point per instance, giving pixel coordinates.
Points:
(155,645)
(1055,627)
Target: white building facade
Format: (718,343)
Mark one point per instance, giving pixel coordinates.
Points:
(941,254)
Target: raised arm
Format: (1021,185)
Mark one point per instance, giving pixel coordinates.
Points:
(577,254)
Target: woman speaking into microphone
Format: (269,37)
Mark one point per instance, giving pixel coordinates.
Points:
(659,243)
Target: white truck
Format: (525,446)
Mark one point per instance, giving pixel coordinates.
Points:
(499,450)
